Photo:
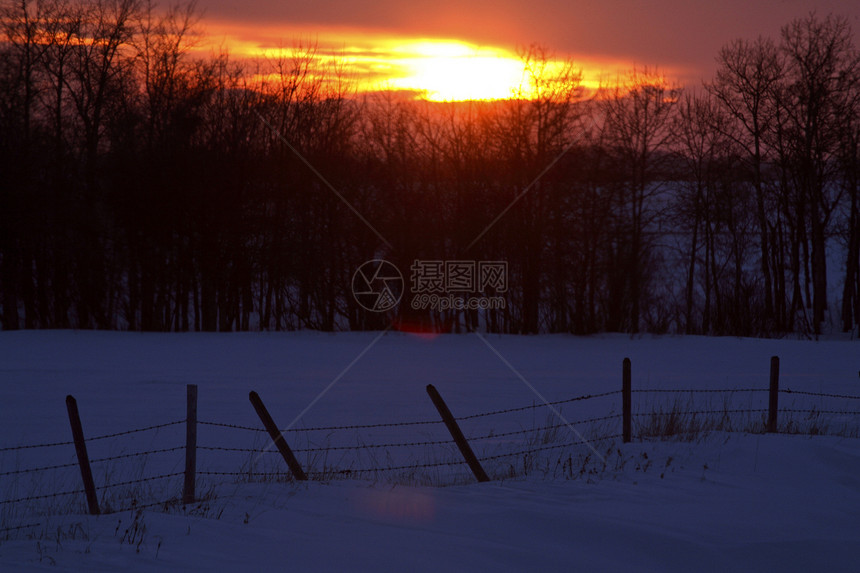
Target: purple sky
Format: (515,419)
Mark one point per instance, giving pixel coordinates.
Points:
(679,34)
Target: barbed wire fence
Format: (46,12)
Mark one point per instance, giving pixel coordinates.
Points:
(507,443)
(49,488)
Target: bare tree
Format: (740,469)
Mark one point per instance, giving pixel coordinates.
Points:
(638,114)
(849,159)
(21,58)
(701,125)
(822,64)
(747,79)
(531,134)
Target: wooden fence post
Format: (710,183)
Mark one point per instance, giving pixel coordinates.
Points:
(457,434)
(188,493)
(83,458)
(773,406)
(277,437)
(626,402)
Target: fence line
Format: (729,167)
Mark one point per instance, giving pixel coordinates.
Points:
(432,442)
(479,437)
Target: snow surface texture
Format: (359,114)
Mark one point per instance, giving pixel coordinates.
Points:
(718,502)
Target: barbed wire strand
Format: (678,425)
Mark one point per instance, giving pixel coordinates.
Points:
(405,467)
(325,428)
(93,461)
(416,466)
(32,446)
(137,506)
(136,430)
(343,471)
(820,394)
(409,444)
(699,412)
(41,469)
(541,405)
(14,528)
(45,496)
(695,390)
(103,437)
(330,448)
(140,480)
(542,428)
(814,411)
(552,447)
(731,390)
(135,454)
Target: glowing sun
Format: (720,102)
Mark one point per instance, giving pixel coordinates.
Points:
(450,70)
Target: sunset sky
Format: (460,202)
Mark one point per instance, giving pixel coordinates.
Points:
(412,43)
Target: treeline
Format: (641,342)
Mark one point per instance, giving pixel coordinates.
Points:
(144,188)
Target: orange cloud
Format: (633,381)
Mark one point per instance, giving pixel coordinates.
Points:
(438,69)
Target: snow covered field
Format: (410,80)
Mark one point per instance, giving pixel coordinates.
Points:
(720,502)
